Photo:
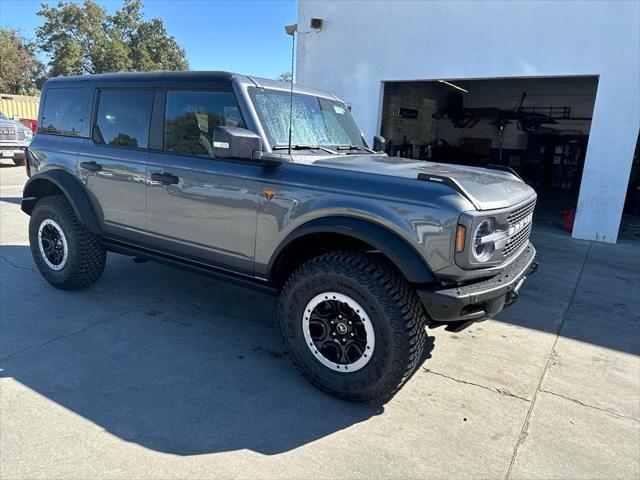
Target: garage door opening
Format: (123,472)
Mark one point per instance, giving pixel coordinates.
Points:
(630,225)
(537,126)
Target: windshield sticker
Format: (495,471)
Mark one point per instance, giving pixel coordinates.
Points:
(338,109)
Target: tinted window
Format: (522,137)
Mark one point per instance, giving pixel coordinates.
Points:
(66,112)
(190,118)
(123,118)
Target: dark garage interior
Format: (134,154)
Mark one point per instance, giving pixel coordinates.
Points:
(539,127)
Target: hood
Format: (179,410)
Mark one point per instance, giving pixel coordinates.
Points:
(487,189)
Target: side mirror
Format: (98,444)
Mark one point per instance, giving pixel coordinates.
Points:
(235,142)
(378,143)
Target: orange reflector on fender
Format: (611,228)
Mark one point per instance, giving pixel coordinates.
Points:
(461,233)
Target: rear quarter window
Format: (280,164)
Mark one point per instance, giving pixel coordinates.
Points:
(66,111)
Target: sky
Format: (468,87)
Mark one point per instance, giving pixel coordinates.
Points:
(244,36)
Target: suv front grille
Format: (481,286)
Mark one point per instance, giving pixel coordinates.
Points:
(515,242)
(521,235)
(520,212)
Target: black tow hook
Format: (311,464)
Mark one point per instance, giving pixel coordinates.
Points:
(511,298)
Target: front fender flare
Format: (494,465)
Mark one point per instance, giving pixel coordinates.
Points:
(396,249)
(39,185)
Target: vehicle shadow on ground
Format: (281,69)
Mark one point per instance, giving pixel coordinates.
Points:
(172,361)
(583,291)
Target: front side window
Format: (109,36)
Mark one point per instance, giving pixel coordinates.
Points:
(123,118)
(191,117)
(314,120)
(66,111)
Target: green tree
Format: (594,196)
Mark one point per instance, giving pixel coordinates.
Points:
(83,39)
(20,70)
(285,77)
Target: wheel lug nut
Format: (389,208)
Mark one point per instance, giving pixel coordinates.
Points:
(352,334)
(349,322)
(334,334)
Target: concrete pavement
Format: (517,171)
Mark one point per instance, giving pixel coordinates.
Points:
(158,373)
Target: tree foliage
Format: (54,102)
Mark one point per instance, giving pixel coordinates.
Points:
(83,38)
(285,77)
(20,70)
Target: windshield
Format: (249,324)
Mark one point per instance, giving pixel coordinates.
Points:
(315,120)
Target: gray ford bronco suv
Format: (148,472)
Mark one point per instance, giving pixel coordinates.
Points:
(243,179)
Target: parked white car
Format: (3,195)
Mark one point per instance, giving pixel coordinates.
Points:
(14,139)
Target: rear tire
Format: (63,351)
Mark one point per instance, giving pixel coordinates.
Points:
(348,281)
(19,162)
(67,255)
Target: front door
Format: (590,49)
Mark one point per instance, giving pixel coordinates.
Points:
(113,163)
(203,206)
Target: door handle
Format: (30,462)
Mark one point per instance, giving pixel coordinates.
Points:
(165,177)
(93,166)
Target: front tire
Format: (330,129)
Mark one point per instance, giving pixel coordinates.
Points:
(352,324)
(67,255)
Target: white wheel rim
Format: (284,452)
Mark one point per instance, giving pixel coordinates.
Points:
(338,327)
(50,238)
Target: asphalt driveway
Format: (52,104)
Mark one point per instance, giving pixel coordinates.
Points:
(158,373)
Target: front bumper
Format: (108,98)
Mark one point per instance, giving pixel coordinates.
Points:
(12,151)
(482,299)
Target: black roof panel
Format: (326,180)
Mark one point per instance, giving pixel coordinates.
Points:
(150,78)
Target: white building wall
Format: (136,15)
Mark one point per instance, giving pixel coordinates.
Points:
(363,44)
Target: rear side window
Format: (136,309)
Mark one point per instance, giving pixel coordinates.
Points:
(66,111)
(191,117)
(123,118)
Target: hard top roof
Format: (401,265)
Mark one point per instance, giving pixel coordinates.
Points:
(213,79)
(147,78)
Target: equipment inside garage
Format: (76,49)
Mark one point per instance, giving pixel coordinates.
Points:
(537,126)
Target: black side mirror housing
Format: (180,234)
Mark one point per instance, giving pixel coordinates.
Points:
(235,142)
(269,159)
(379,143)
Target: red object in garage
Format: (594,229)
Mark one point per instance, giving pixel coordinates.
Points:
(568,217)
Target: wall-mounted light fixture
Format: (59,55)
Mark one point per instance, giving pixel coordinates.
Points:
(291,29)
(316,24)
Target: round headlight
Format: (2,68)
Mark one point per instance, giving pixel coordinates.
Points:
(483,249)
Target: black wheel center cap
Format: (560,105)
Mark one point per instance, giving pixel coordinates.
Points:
(341,328)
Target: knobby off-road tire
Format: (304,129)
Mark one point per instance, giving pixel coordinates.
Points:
(391,307)
(77,258)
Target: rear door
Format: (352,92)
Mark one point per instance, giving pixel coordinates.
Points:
(113,162)
(198,205)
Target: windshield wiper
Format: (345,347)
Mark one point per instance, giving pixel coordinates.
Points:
(300,146)
(354,147)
